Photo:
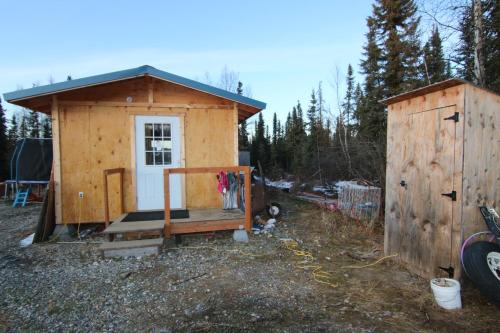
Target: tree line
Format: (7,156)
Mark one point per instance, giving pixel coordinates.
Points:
(314,144)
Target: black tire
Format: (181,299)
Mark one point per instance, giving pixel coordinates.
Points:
(479,272)
(272,208)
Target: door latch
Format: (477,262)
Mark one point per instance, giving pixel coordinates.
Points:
(455,117)
(450,270)
(403,184)
(452,195)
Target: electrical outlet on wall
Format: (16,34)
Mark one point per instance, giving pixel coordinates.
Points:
(80,195)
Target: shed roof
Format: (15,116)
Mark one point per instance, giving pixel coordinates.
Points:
(145,70)
(423,91)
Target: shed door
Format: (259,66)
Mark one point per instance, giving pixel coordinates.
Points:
(428,173)
(157,142)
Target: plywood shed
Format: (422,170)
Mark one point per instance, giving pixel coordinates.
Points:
(130,123)
(443,157)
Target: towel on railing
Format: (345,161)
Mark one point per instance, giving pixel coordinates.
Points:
(228,186)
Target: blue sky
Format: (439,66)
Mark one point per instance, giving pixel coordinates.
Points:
(281,49)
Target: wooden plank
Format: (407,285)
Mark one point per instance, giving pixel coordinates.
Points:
(113,171)
(56,149)
(183,161)
(166,191)
(208,169)
(205,226)
(133,171)
(248,200)
(211,214)
(127,227)
(151,91)
(106,199)
(235,135)
(143,105)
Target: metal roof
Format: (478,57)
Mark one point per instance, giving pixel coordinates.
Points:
(128,74)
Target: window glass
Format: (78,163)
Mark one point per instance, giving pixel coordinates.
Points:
(157,130)
(158,144)
(148,129)
(166,130)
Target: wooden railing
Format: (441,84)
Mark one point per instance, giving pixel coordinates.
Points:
(107,173)
(214,170)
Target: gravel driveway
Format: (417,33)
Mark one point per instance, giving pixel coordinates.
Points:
(210,283)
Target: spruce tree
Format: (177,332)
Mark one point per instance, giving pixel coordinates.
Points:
(370,113)
(242,129)
(23,127)
(465,51)
(492,44)
(12,135)
(435,64)
(348,105)
(3,144)
(46,127)
(33,124)
(397,24)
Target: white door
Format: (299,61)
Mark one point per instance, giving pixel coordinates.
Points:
(157,146)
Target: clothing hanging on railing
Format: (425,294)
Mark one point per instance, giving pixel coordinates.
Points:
(228,187)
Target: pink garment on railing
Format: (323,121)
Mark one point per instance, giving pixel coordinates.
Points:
(223,185)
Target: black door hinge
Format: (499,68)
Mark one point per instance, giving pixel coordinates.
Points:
(455,117)
(452,195)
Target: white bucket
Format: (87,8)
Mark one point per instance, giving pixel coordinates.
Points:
(446,293)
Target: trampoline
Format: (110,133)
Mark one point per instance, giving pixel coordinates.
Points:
(30,164)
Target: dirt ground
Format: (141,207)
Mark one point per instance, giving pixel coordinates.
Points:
(209,283)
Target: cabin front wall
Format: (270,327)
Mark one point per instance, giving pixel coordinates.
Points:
(411,227)
(96,132)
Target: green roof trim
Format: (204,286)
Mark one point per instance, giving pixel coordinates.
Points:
(128,74)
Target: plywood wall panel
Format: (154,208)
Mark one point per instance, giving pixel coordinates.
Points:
(481,179)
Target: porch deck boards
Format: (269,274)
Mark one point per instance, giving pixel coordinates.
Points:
(200,220)
(142,226)
(211,214)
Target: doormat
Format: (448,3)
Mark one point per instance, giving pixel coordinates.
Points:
(155,215)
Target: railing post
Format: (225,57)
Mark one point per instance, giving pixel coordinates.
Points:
(106,202)
(122,209)
(166,192)
(248,199)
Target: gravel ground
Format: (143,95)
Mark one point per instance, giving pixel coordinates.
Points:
(210,283)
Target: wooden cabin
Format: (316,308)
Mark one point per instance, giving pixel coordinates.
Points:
(443,158)
(116,134)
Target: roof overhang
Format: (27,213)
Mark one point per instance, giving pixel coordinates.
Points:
(424,90)
(25,94)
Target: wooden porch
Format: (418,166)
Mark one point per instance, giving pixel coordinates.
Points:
(210,219)
(199,220)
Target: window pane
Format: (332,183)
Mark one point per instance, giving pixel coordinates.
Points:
(166,130)
(157,144)
(149,158)
(157,130)
(148,129)
(166,144)
(158,160)
(148,144)
(167,157)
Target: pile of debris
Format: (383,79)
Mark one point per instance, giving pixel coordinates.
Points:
(359,201)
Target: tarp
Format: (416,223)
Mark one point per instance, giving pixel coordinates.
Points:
(31,160)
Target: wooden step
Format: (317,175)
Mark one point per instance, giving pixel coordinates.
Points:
(134,248)
(124,227)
